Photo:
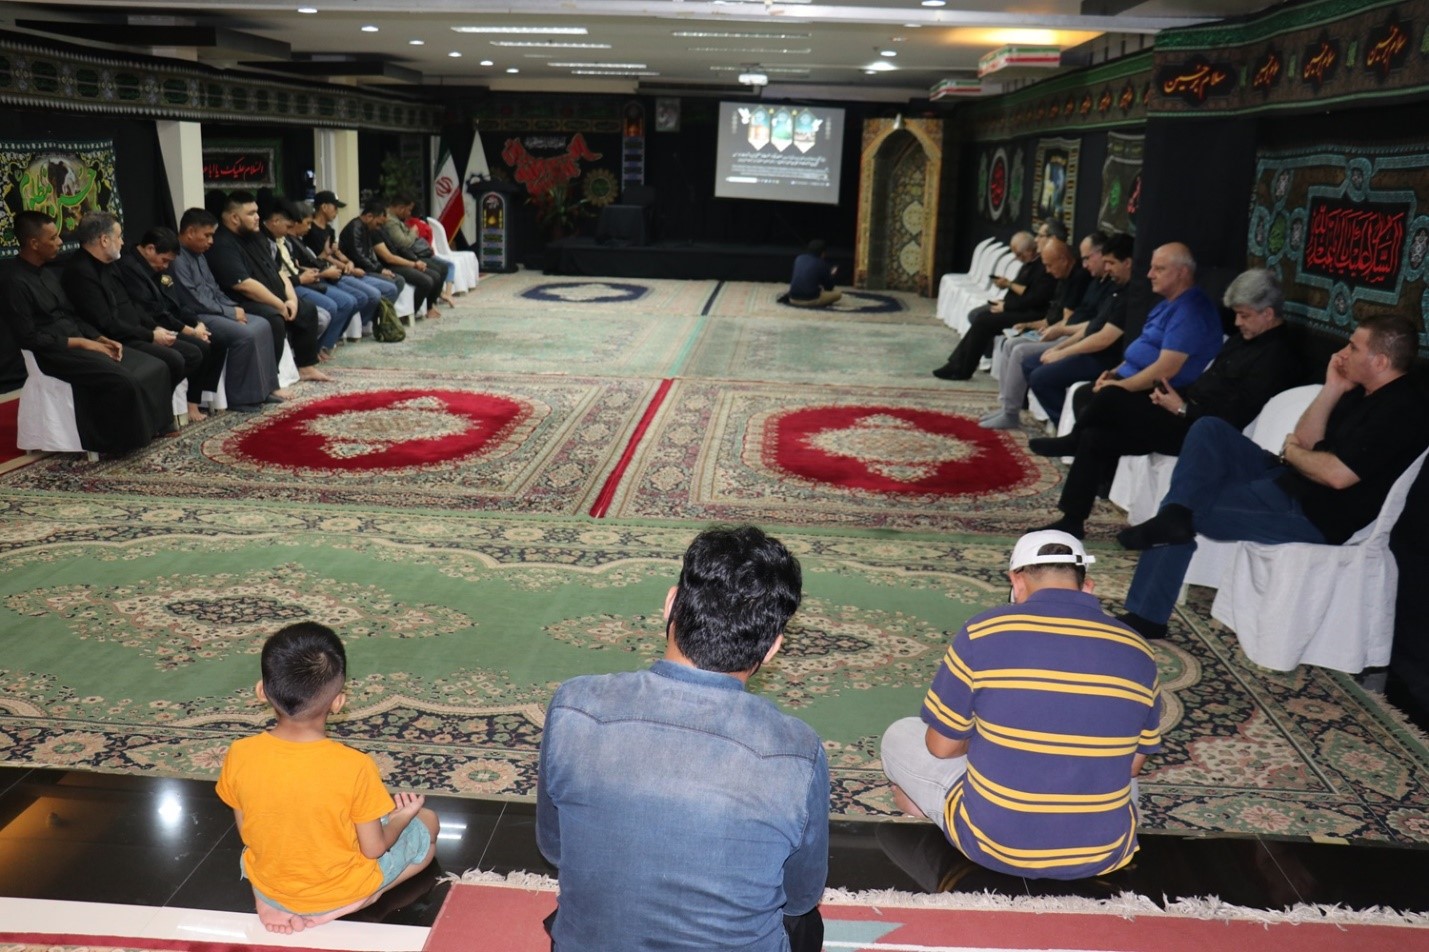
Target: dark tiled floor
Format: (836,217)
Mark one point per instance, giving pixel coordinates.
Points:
(100,838)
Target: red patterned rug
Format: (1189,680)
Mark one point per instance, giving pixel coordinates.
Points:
(523,443)
(866,457)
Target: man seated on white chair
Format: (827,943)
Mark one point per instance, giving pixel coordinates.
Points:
(1368,423)
(122,398)
(1253,366)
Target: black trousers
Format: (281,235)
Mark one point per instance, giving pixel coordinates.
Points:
(806,932)
(977,342)
(119,405)
(301,333)
(426,285)
(183,359)
(1115,423)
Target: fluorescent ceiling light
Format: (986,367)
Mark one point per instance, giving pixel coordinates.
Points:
(751,49)
(307,9)
(530,30)
(550,45)
(700,34)
(935,3)
(613,72)
(599,65)
(792,70)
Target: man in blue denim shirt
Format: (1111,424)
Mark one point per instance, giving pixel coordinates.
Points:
(682,811)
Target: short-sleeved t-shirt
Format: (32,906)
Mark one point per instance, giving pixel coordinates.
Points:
(1377,436)
(1055,699)
(226,259)
(301,803)
(1189,324)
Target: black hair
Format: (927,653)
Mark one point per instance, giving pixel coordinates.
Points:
(284,207)
(738,589)
(94,226)
(817,246)
(1119,246)
(401,198)
(375,206)
(31,224)
(1098,240)
(197,218)
(163,239)
(1037,573)
(300,665)
(238,200)
(1393,336)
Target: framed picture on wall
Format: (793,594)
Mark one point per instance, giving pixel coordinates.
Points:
(667,114)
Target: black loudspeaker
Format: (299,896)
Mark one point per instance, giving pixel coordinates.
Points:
(643,195)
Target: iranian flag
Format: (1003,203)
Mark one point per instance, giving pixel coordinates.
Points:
(447,206)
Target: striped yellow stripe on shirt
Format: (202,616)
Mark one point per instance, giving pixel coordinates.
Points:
(1033,858)
(1074,627)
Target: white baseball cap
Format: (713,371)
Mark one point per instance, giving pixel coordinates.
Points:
(1025,552)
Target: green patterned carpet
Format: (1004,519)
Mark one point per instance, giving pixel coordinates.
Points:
(134,594)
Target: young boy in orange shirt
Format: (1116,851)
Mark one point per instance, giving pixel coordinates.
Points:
(322,838)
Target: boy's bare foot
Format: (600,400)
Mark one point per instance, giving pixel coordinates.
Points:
(312,373)
(276,920)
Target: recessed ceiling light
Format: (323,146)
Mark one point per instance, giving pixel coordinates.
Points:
(369,28)
(887,52)
(487,63)
(935,3)
(454,54)
(870,72)
(307,9)
(532,30)
(879,66)
(550,45)
(416,42)
(512,69)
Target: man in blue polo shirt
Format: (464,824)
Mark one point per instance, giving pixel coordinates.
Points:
(1038,721)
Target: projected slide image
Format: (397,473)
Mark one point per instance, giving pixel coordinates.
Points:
(782,153)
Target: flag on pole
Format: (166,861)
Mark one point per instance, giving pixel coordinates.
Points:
(476,166)
(447,206)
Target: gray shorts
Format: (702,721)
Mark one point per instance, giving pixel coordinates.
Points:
(924,778)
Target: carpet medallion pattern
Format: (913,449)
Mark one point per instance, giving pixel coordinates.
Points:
(870,458)
(526,443)
(460,626)
(759,300)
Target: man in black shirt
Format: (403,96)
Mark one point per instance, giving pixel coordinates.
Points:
(242,259)
(1368,423)
(1028,295)
(122,398)
(95,289)
(1252,367)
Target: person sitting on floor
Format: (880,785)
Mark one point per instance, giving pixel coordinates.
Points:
(251,373)
(682,811)
(1181,336)
(1038,720)
(812,283)
(122,398)
(1364,428)
(144,269)
(1028,295)
(322,838)
(1253,366)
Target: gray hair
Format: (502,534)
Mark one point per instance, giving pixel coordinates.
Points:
(1020,242)
(1257,289)
(94,226)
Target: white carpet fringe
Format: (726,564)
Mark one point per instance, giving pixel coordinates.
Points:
(1127,905)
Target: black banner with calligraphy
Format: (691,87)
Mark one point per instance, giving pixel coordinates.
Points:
(1348,231)
(230,168)
(1340,51)
(62,179)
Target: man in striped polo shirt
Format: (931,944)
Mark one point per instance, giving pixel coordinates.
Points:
(1038,721)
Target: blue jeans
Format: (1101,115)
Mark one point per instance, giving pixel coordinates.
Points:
(389,288)
(1228,483)
(338,303)
(1049,382)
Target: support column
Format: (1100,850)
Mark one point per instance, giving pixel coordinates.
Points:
(181,145)
(335,168)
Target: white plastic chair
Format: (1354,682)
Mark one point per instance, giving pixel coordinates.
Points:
(466,271)
(1297,603)
(46,420)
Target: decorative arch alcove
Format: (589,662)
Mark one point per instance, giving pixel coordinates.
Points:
(900,169)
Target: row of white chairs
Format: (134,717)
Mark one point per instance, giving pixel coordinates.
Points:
(1289,603)
(467,271)
(960,294)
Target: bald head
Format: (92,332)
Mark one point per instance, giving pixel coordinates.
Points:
(1057,258)
(1173,270)
(1023,245)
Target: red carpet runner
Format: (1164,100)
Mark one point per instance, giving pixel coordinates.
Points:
(607,492)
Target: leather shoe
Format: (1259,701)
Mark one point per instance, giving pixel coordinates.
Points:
(1053,445)
(949,372)
(1171,526)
